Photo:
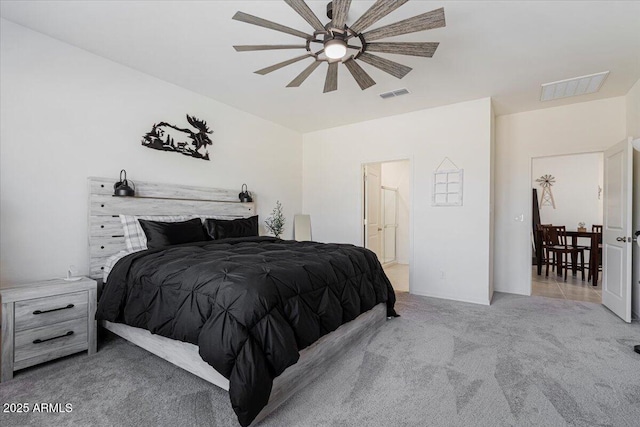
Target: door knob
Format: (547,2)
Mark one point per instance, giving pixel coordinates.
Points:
(621,239)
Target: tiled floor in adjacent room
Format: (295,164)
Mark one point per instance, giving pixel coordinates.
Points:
(552,287)
(574,288)
(398,274)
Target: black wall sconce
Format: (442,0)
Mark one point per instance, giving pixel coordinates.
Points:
(245,195)
(122,188)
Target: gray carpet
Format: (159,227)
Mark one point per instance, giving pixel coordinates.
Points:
(523,361)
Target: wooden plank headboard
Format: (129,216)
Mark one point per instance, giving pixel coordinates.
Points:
(106,237)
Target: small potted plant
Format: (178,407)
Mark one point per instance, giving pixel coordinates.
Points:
(581,227)
(275,223)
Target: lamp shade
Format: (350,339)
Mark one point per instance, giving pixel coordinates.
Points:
(245,195)
(122,187)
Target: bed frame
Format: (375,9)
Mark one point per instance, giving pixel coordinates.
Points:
(106,238)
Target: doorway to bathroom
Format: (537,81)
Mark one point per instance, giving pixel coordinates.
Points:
(386,217)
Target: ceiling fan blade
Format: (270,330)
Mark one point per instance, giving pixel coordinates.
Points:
(303,75)
(426,49)
(391,67)
(425,21)
(248,48)
(250,19)
(331,82)
(303,10)
(363,79)
(282,64)
(379,10)
(340,11)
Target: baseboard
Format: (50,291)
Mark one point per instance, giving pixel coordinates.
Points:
(451,298)
(392,263)
(514,292)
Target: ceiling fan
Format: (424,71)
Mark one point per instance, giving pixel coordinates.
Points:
(342,43)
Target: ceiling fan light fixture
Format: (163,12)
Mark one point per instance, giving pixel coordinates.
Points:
(336,38)
(335,48)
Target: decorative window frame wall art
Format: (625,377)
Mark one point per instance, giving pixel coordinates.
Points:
(167,137)
(448,184)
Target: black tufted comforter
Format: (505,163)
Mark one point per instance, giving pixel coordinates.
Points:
(250,304)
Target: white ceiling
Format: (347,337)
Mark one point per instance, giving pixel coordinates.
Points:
(501,49)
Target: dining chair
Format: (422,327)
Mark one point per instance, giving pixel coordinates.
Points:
(546,255)
(595,265)
(563,253)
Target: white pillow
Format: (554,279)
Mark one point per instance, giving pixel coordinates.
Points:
(134,237)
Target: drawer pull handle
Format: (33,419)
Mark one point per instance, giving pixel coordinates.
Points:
(38,341)
(54,309)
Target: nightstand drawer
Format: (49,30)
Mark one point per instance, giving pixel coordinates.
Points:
(50,339)
(39,312)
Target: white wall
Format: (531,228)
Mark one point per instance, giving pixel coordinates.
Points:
(633,111)
(398,175)
(575,192)
(633,130)
(450,245)
(577,128)
(492,206)
(67,114)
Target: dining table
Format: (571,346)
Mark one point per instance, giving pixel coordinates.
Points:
(594,251)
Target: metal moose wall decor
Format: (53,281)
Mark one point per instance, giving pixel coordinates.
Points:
(167,137)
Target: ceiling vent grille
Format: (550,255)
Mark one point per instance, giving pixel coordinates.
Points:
(394,93)
(573,87)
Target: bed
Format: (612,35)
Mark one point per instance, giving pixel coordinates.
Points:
(257,316)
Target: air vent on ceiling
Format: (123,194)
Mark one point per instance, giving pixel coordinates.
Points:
(573,87)
(394,93)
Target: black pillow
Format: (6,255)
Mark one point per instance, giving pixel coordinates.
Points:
(172,233)
(225,228)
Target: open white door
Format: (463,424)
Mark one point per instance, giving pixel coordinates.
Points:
(616,232)
(372,220)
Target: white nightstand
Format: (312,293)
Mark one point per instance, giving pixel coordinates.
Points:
(46,320)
